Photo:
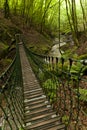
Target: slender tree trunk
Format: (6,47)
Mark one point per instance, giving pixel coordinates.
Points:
(59,24)
(75,23)
(72,18)
(84,17)
(6,9)
(44,15)
(67,10)
(23,8)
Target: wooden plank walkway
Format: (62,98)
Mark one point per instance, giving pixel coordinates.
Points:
(38,111)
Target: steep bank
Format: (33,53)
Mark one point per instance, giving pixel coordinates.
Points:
(33,39)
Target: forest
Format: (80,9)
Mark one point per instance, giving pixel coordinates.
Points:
(63,15)
(62,19)
(49,27)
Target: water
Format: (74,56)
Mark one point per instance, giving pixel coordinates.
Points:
(64,39)
(55,52)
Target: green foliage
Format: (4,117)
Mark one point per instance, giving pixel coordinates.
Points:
(76,68)
(82,57)
(49,83)
(69,52)
(59,71)
(44,14)
(21,129)
(83,94)
(3,46)
(84,70)
(41,75)
(50,87)
(65,119)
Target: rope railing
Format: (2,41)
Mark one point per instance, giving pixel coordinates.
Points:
(11,96)
(62,80)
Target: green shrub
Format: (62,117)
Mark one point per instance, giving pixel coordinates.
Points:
(82,57)
(21,129)
(83,94)
(76,68)
(65,119)
(49,84)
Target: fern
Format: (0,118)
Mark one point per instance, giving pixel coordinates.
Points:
(83,94)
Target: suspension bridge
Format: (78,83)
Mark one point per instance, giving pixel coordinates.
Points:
(46,96)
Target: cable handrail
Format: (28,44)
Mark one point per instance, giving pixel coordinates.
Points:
(13,108)
(57,81)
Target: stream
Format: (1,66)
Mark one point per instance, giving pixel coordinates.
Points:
(55,52)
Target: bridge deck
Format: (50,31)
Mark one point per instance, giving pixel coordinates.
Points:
(38,111)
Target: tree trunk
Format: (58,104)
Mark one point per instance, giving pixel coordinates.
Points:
(6,9)
(84,16)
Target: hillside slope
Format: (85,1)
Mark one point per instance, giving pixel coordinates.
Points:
(33,39)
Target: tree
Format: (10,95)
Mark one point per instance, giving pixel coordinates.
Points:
(84,16)
(47,5)
(6,9)
(72,18)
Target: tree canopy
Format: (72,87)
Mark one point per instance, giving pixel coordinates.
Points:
(50,15)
